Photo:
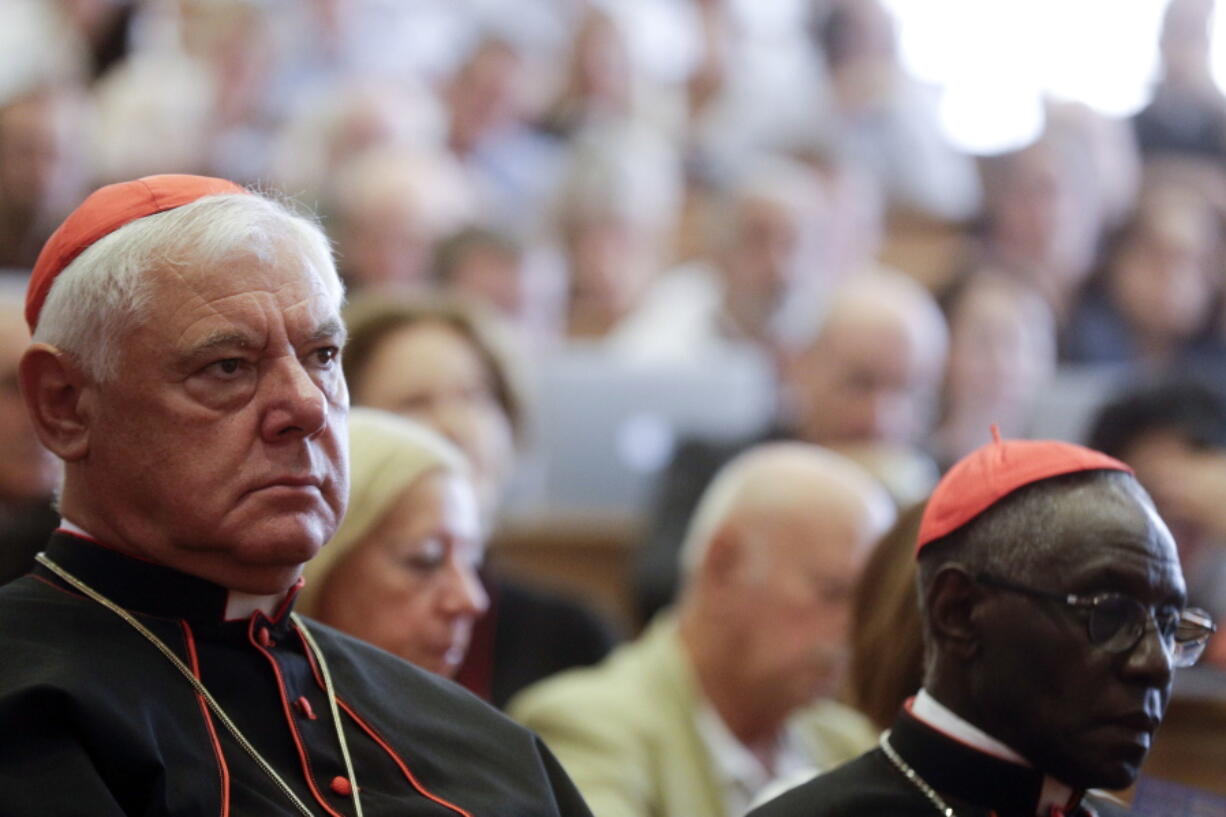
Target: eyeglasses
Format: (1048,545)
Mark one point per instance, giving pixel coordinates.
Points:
(1116,622)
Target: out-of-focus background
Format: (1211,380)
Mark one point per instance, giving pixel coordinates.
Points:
(682,226)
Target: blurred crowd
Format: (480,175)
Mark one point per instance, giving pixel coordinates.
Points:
(672,184)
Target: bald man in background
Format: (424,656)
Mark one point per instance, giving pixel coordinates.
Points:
(729,692)
(863,383)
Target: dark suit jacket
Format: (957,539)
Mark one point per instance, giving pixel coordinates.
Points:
(528,634)
(972,783)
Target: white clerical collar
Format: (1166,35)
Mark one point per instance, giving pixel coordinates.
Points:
(239,605)
(929,710)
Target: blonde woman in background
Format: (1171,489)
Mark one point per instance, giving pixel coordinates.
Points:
(401,571)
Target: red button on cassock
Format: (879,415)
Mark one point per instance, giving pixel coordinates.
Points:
(342,786)
(304,706)
(265,638)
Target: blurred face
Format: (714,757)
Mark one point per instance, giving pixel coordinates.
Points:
(1160,278)
(385,245)
(863,381)
(1080,713)
(1002,349)
(28,472)
(430,372)
(1045,218)
(483,98)
(219,447)
(797,590)
(40,163)
(762,264)
(495,277)
(608,264)
(411,586)
(1166,464)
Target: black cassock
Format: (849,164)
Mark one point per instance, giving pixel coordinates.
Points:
(95,721)
(974,784)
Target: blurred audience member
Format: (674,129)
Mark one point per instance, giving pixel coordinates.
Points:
(43,167)
(401,570)
(1043,218)
(346,120)
(1173,434)
(1188,111)
(1108,146)
(615,211)
(515,167)
(887,641)
(598,83)
(1002,352)
(104,29)
(883,117)
(389,206)
(732,689)
(491,267)
(1157,300)
(154,113)
(440,364)
(763,240)
(29,473)
(872,368)
(865,384)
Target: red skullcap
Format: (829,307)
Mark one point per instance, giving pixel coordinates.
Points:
(988,474)
(103,212)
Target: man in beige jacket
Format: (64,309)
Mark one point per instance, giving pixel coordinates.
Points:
(729,693)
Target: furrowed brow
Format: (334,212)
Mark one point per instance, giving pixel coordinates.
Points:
(221,340)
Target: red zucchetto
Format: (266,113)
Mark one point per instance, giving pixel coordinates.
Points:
(103,212)
(989,473)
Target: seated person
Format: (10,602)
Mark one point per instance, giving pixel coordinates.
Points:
(1042,566)
(1173,434)
(887,645)
(864,384)
(732,690)
(440,363)
(185,369)
(401,571)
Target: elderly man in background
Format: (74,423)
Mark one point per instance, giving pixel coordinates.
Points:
(185,368)
(1054,613)
(28,472)
(864,384)
(731,691)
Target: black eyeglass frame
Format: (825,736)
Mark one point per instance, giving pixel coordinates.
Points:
(1184,652)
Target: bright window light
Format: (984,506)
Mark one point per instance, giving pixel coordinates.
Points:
(996,60)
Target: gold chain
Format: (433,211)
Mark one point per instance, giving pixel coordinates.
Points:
(198,685)
(913,775)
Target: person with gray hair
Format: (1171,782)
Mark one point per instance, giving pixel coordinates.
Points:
(863,382)
(186,370)
(733,689)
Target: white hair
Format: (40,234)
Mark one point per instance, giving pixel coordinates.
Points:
(776,475)
(883,295)
(106,289)
(784,183)
(430,182)
(628,172)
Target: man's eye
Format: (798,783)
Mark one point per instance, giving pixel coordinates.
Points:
(327,355)
(225,368)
